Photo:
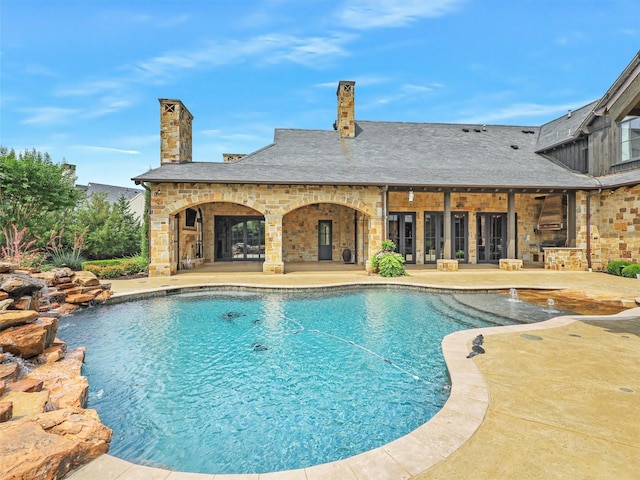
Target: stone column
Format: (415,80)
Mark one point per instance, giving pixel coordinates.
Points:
(374,239)
(571,219)
(160,245)
(511,225)
(273,262)
(447,226)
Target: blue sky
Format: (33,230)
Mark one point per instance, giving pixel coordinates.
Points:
(81,79)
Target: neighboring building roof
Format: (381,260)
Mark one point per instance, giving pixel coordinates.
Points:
(563,129)
(112,192)
(426,155)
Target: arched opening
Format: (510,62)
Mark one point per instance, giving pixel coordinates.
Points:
(325,232)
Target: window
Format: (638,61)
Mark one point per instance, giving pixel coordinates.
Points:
(630,139)
(190,216)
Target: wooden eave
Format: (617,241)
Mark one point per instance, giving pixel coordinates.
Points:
(624,95)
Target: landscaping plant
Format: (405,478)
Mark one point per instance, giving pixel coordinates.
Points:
(615,267)
(388,262)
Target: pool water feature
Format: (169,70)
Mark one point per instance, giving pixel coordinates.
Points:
(242,382)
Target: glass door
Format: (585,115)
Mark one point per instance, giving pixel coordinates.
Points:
(239,238)
(325,241)
(433,236)
(492,237)
(459,236)
(402,232)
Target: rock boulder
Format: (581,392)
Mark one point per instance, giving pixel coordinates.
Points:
(47,446)
(13,318)
(25,341)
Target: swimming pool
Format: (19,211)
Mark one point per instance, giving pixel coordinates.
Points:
(241,382)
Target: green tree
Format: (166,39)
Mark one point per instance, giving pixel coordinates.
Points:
(144,233)
(112,231)
(33,190)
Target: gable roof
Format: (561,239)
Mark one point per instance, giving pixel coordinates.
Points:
(112,192)
(564,129)
(428,155)
(624,94)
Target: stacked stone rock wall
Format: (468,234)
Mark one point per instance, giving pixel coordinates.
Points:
(44,429)
(616,213)
(300,243)
(274,202)
(527,206)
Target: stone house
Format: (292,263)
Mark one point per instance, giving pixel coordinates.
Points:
(564,195)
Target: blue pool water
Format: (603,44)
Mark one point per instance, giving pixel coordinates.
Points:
(237,382)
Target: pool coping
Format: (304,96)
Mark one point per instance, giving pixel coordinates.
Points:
(403,458)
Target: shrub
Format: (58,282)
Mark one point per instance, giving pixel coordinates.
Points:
(19,249)
(615,267)
(387,261)
(67,258)
(391,265)
(631,270)
(388,246)
(116,267)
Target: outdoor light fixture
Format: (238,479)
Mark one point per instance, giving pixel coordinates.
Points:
(411,195)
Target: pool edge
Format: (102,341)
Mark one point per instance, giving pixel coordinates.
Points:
(407,456)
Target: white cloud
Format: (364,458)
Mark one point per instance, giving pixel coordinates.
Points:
(408,91)
(92,87)
(108,105)
(570,38)
(365,14)
(41,71)
(521,111)
(50,115)
(99,149)
(272,49)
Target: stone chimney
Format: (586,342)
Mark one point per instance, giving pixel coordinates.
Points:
(346,123)
(175,132)
(232,157)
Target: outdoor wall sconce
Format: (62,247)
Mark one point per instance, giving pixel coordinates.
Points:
(411,195)
(158,192)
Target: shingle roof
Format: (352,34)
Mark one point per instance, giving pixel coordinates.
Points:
(614,180)
(390,153)
(563,129)
(112,192)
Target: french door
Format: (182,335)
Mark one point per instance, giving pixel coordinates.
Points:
(434,236)
(402,232)
(239,238)
(491,233)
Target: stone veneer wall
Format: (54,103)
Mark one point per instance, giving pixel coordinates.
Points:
(617,217)
(526,205)
(573,259)
(272,201)
(301,232)
(292,212)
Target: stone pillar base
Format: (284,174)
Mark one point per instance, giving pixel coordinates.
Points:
(368,268)
(273,267)
(159,270)
(447,265)
(510,264)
